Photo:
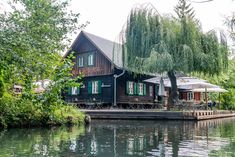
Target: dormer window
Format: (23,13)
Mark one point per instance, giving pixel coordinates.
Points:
(90,60)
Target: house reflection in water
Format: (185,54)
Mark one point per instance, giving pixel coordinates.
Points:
(151,138)
(124,139)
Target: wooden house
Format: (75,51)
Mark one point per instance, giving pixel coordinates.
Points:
(105,80)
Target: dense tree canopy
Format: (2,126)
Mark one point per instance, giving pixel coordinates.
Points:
(158,44)
(32,36)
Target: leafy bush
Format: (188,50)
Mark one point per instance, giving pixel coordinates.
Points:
(228,99)
(25,112)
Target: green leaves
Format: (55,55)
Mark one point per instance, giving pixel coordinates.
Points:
(160,60)
(32,37)
(154,43)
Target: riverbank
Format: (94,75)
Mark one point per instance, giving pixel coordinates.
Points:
(19,112)
(158,115)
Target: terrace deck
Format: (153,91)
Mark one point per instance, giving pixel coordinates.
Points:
(158,115)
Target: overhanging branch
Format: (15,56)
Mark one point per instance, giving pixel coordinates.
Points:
(203,1)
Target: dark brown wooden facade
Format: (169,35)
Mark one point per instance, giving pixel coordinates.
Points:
(102,65)
(123,97)
(103,70)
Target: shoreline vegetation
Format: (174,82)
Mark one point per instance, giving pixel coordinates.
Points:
(33,35)
(17,112)
(41,109)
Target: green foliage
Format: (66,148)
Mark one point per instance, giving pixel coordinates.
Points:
(49,141)
(227,81)
(157,44)
(62,78)
(228,99)
(182,42)
(2,86)
(25,112)
(32,35)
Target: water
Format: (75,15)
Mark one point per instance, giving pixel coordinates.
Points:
(124,139)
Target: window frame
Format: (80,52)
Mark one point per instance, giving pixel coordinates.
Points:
(190,95)
(131,88)
(90,60)
(80,62)
(140,89)
(94,87)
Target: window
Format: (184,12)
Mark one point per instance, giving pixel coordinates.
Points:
(90,60)
(80,61)
(140,89)
(94,87)
(133,88)
(130,88)
(190,95)
(73,91)
(150,90)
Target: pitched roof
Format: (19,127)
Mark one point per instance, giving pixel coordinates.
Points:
(111,50)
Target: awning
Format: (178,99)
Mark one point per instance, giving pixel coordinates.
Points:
(218,90)
(197,84)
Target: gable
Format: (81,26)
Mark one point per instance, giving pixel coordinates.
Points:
(89,42)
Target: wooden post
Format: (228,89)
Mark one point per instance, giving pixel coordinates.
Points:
(206,98)
(219,102)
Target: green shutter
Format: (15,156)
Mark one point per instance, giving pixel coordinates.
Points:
(70,91)
(156,90)
(89,87)
(144,88)
(78,90)
(127,88)
(99,87)
(135,88)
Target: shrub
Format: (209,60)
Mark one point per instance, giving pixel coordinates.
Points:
(228,99)
(24,112)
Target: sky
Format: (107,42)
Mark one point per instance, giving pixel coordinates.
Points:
(107,17)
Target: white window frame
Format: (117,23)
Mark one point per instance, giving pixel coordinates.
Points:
(74,91)
(80,62)
(90,60)
(131,87)
(95,87)
(190,96)
(141,89)
(150,90)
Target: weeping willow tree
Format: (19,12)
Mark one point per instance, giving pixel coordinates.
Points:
(158,44)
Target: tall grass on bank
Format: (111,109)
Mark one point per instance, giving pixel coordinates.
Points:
(17,112)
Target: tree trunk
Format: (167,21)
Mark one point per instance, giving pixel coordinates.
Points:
(174,94)
(2,87)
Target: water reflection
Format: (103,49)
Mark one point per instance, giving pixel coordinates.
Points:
(40,141)
(156,138)
(124,139)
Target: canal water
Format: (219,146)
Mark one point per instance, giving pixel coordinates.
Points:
(124,139)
